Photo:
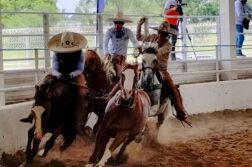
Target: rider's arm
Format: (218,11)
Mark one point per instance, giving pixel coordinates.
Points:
(139,35)
(80,67)
(248,9)
(55,66)
(239,12)
(133,39)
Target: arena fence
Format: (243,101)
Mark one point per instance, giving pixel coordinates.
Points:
(25,60)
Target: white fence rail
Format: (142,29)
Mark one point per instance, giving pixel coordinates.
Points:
(24,59)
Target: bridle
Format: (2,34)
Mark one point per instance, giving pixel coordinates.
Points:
(129,103)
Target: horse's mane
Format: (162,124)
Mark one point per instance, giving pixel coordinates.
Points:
(94,56)
(150,50)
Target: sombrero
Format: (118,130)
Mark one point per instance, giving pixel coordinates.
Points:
(67,42)
(165,27)
(120,18)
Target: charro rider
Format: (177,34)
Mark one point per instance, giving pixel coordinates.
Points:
(164,48)
(68,64)
(119,37)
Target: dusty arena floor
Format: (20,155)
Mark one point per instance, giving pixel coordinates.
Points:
(219,139)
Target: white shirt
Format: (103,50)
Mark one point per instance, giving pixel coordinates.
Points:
(241,11)
(119,44)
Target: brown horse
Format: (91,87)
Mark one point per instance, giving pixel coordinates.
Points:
(125,117)
(100,79)
(54,113)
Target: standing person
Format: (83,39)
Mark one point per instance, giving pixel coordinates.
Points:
(172,8)
(242,10)
(119,37)
(164,48)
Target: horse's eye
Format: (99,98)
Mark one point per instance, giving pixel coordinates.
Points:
(155,62)
(144,62)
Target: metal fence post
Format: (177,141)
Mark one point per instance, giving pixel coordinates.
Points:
(36,65)
(99,31)
(2,94)
(46,39)
(217,68)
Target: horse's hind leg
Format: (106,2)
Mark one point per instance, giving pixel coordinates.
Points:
(162,116)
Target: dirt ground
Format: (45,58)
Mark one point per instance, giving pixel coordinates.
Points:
(219,139)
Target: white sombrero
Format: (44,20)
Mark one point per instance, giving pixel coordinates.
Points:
(120,18)
(165,27)
(67,42)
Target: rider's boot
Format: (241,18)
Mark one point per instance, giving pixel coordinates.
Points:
(175,97)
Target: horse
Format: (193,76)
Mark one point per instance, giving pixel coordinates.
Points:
(149,82)
(100,78)
(54,113)
(125,117)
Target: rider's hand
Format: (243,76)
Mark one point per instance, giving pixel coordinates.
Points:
(140,49)
(249,16)
(142,20)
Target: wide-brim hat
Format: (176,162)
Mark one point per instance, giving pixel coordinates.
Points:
(165,27)
(120,18)
(67,42)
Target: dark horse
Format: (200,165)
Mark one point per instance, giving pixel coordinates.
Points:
(54,113)
(100,79)
(125,117)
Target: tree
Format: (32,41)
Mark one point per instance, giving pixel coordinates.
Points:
(25,20)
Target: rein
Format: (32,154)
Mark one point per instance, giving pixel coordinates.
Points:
(91,90)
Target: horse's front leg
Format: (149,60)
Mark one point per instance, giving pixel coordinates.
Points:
(97,124)
(100,146)
(163,110)
(50,142)
(30,138)
(123,148)
(119,139)
(34,150)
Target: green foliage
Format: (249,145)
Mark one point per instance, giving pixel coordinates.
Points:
(25,20)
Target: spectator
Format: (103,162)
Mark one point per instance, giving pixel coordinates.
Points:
(172,8)
(242,10)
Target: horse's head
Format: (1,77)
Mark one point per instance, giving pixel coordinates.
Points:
(92,62)
(128,80)
(149,65)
